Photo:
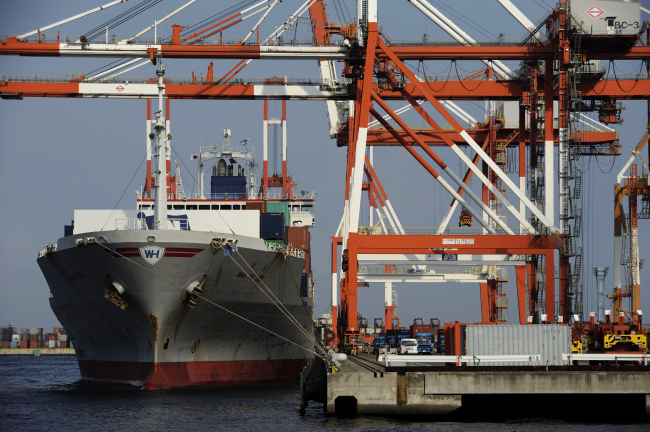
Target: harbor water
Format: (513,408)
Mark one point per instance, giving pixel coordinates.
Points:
(47,393)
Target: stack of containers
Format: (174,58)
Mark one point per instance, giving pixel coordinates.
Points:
(61,337)
(15,340)
(35,337)
(24,338)
(299,238)
(7,332)
(63,341)
(280,207)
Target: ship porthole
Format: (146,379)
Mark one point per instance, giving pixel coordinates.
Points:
(151,238)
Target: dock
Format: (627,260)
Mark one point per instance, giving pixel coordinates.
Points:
(37,352)
(364,385)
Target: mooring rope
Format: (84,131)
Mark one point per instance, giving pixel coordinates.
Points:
(114,252)
(268,291)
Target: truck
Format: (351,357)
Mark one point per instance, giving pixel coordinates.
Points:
(394,338)
(379,343)
(422,334)
(408,346)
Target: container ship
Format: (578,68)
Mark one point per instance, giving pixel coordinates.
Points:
(208,288)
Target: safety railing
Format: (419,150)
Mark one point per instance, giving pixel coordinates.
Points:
(415,271)
(46,250)
(469,231)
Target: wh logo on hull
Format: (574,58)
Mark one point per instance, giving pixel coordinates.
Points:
(152,254)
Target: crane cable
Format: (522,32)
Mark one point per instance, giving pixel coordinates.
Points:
(217,17)
(121,18)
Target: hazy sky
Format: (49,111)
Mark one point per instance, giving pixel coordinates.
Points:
(57,155)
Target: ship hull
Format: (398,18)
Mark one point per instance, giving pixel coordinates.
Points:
(236,333)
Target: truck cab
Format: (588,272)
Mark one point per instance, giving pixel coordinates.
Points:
(408,346)
(425,344)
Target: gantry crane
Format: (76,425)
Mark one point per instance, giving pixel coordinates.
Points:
(554,70)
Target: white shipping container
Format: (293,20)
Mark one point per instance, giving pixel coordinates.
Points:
(63,337)
(550,341)
(15,338)
(51,344)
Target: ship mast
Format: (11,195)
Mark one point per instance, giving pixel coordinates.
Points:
(160,207)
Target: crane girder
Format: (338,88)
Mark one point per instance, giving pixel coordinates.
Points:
(11,46)
(304,90)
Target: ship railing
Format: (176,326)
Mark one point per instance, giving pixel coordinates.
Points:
(234,196)
(208,197)
(277,247)
(134,224)
(46,250)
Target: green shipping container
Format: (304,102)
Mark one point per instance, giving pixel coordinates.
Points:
(280,207)
(278,242)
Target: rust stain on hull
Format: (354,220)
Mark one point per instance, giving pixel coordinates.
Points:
(154,326)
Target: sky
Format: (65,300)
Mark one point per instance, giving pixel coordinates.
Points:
(58,155)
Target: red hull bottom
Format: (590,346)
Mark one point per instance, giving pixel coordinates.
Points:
(156,376)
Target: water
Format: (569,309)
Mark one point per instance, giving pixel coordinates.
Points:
(47,393)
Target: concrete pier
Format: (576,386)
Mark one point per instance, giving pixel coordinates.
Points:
(363,386)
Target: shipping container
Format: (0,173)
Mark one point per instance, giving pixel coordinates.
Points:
(15,337)
(272,226)
(63,337)
(304,285)
(419,328)
(51,344)
(256,205)
(298,238)
(23,344)
(5,344)
(63,344)
(279,207)
(13,344)
(35,344)
(550,341)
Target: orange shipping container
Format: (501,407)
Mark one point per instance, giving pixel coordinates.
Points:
(5,344)
(23,344)
(298,237)
(307,268)
(63,344)
(256,205)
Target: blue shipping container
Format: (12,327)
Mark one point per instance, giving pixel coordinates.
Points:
(272,226)
(304,292)
(13,344)
(223,187)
